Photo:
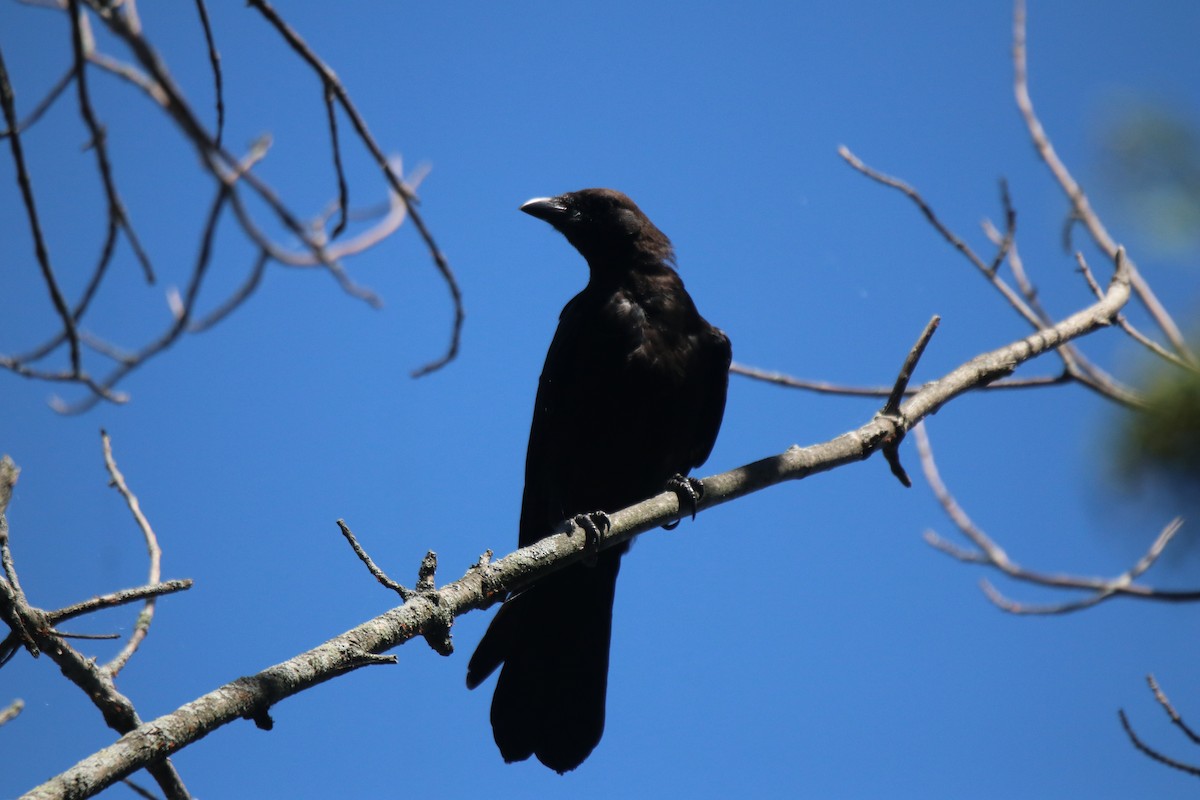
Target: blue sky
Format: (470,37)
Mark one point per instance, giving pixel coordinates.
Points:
(802,641)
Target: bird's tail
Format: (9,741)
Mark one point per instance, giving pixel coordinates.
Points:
(553,640)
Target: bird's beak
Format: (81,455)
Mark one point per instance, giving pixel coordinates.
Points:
(546,208)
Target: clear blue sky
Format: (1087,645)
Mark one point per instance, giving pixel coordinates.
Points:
(801,642)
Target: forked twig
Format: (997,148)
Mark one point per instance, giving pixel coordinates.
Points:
(987,553)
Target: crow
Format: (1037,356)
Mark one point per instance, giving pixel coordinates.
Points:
(630,399)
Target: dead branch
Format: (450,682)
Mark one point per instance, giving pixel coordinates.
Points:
(34,628)
(826,387)
(1081,208)
(234,180)
(1176,720)
(142,626)
(1075,364)
(987,553)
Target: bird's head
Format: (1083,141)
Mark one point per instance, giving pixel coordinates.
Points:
(605,226)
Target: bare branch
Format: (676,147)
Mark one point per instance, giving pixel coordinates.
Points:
(97,683)
(343,201)
(1176,719)
(988,272)
(148,72)
(44,105)
(1006,243)
(1128,327)
(118,217)
(1017,265)
(142,627)
(214,60)
(11,594)
(1081,207)
(825,387)
(1151,752)
(234,300)
(332,84)
(1077,365)
(988,553)
(85,636)
(140,791)
(114,599)
(891,408)
(374,569)
(35,225)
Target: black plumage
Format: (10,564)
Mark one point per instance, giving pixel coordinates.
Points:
(632,394)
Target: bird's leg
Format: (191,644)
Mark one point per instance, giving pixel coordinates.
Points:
(594,523)
(689,490)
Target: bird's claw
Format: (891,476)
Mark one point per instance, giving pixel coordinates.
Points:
(689,490)
(594,524)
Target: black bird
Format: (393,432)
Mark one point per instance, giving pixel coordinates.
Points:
(631,396)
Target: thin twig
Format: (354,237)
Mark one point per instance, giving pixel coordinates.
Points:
(1151,752)
(86,636)
(892,405)
(1128,327)
(1004,244)
(343,194)
(332,83)
(221,164)
(214,61)
(118,217)
(9,473)
(990,554)
(42,107)
(379,574)
(912,194)
(1161,697)
(120,598)
(140,791)
(1078,366)
(142,627)
(891,408)
(1080,205)
(148,72)
(237,298)
(11,594)
(35,226)
(178,325)
(1017,265)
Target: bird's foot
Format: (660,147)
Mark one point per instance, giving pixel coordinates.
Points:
(689,490)
(594,524)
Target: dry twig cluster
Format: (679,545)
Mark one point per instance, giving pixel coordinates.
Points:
(321,242)
(1022,296)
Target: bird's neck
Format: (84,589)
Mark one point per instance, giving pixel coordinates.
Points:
(609,274)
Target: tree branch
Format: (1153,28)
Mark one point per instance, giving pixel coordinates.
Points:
(1080,205)
(149,73)
(34,628)
(988,553)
